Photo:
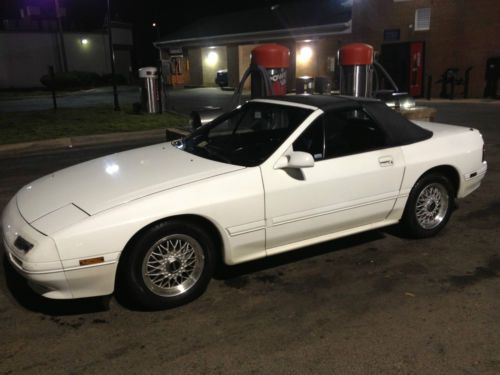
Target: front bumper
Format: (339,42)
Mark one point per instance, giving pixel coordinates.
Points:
(42,266)
(50,284)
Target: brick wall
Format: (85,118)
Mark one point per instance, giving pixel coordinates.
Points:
(463,33)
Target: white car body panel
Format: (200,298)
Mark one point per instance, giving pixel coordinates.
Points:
(106,182)
(94,209)
(457,146)
(334,195)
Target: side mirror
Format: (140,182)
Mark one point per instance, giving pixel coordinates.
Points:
(295,160)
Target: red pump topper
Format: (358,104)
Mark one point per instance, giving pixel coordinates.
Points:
(274,58)
(356,69)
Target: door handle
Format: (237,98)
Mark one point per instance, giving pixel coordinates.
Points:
(386,161)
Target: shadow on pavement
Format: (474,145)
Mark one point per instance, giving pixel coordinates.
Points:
(28,299)
(230,272)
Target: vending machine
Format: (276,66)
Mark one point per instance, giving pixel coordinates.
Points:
(405,64)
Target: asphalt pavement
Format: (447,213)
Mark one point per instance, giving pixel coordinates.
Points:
(375,303)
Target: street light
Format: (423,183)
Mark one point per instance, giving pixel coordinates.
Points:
(61,36)
(156,26)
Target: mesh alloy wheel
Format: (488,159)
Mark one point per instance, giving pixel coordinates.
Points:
(173,265)
(432,206)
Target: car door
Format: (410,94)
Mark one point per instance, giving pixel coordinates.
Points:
(354,182)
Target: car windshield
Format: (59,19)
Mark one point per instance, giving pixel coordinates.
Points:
(246,136)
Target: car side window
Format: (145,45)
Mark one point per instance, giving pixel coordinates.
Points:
(351,131)
(312,139)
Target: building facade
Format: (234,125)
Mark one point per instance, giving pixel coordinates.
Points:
(419,40)
(26,56)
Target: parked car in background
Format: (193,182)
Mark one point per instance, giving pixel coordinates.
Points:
(271,176)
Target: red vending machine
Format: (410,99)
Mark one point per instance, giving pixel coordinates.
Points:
(405,63)
(416,88)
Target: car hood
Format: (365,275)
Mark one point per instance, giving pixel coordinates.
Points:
(115,179)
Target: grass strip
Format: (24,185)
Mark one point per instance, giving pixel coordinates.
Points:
(68,122)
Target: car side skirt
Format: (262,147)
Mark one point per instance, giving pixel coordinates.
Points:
(329,237)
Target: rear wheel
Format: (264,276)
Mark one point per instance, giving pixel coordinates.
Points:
(170,265)
(429,206)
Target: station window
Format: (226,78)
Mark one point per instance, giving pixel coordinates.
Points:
(422,19)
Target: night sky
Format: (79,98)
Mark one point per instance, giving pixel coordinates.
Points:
(89,15)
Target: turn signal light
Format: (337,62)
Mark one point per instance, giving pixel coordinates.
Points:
(90,261)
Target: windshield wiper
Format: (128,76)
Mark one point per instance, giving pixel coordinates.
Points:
(216,153)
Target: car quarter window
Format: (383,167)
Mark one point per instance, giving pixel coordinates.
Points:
(339,133)
(351,131)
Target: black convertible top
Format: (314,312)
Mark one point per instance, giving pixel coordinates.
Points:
(400,130)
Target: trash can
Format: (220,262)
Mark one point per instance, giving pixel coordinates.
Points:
(149,89)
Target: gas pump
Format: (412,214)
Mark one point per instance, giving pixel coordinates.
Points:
(356,70)
(274,58)
(361,75)
(268,73)
(268,77)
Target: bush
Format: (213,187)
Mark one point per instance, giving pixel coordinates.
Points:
(79,80)
(61,81)
(119,79)
(88,79)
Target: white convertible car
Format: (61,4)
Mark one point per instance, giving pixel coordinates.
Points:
(271,176)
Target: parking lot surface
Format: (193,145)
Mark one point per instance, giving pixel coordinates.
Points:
(375,303)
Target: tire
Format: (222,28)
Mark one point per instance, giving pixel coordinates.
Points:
(169,265)
(429,206)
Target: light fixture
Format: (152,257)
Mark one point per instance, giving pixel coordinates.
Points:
(305,54)
(212,58)
(84,41)
(153,24)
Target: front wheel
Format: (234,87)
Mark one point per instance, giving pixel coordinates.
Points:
(170,265)
(429,206)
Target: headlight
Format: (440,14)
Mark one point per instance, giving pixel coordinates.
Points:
(22,244)
(59,219)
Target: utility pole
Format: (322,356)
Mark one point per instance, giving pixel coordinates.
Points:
(61,36)
(112,59)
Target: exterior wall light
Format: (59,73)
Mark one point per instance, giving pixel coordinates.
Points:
(305,54)
(212,58)
(84,41)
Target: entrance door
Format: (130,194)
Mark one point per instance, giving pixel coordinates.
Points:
(405,64)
